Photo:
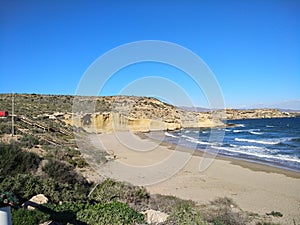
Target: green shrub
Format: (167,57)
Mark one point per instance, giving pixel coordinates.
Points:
(28,217)
(165,203)
(63,173)
(110,190)
(185,213)
(275,214)
(116,213)
(24,186)
(5,126)
(29,141)
(13,160)
(222,213)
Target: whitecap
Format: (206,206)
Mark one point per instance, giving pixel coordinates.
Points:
(260,154)
(170,135)
(256,133)
(266,142)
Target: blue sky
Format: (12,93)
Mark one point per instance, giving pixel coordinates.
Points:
(252,46)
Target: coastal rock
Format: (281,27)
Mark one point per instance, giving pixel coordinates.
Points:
(35,201)
(136,114)
(233,114)
(155,217)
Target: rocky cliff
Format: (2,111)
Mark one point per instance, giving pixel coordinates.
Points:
(233,114)
(135,114)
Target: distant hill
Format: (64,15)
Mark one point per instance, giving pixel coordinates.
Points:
(195,109)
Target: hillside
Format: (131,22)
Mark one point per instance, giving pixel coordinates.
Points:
(105,114)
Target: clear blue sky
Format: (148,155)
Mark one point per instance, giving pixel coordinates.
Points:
(252,46)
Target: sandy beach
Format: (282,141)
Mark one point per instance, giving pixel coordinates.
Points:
(171,170)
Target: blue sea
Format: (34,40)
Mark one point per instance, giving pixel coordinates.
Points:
(273,141)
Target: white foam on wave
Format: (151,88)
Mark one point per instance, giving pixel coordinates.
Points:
(170,135)
(256,133)
(240,125)
(265,142)
(194,140)
(269,126)
(252,131)
(260,154)
(238,131)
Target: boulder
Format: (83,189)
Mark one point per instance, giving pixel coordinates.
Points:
(155,217)
(35,201)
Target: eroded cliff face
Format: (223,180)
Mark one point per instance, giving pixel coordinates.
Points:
(120,113)
(233,114)
(137,114)
(110,122)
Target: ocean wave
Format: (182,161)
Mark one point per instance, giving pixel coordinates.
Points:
(269,126)
(170,135)
(194,140)
(238,131)
(251,131)
(256,133)
(240,125)
(295,139)
(260,154)
(265,142)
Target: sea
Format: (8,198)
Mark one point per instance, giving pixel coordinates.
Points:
(272,141)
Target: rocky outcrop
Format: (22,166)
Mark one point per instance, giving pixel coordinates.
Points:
(155,217)
(35,201)
(233,114)
(135,114)
(117,113)
(109,122)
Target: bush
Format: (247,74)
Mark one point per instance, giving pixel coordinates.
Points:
(185,213)
(24,186)
(221,212)
(110,190)
(165,203)
(5,126)
(29,141)
(116,213)
(63,173)
(13,160)
(26,217)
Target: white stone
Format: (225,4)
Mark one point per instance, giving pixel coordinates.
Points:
(154,217)
(37,199)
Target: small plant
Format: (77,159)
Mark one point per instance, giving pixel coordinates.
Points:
(110,213)
(275,214)
(186,213)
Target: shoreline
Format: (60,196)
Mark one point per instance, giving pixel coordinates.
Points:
(253,187)
(250,164)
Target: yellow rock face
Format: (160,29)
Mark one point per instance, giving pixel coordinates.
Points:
(110,122)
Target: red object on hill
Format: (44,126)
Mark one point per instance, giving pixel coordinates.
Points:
(3,113)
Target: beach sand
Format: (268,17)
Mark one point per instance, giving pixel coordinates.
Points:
(171,170)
